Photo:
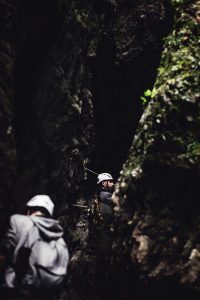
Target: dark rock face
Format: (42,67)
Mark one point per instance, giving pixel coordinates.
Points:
(7,143)
(158,188)
(53,102)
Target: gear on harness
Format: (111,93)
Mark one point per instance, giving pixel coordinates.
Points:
(95,217)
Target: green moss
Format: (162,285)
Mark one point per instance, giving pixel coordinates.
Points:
(178,75)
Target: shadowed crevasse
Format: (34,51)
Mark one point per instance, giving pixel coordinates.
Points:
(123,66)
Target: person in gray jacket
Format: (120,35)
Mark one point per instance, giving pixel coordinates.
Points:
(36,253)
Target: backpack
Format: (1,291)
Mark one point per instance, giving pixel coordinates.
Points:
(47,261)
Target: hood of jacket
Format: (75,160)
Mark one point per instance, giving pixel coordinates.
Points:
(49,228)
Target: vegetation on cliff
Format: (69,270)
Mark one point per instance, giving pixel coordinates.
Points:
(159,181)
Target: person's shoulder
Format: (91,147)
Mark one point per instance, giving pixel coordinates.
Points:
(18,219)
(104,194)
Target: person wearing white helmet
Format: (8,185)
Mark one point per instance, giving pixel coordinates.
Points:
(102,233)
(36,253)
(106,180)
(104,194)
(40,205)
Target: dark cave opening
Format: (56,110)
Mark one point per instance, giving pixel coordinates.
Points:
(117,112)
(118,108)
(120,78)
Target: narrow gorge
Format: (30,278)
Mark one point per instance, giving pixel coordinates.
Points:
(112,85)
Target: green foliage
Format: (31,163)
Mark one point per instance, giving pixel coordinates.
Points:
(148,95)
(143,99)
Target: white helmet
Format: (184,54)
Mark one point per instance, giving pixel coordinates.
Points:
(42,201)
(104,176)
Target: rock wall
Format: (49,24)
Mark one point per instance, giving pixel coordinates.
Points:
(7,139)
(159,184)
(53,102)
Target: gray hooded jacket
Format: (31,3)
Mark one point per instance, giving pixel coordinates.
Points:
(36,264)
